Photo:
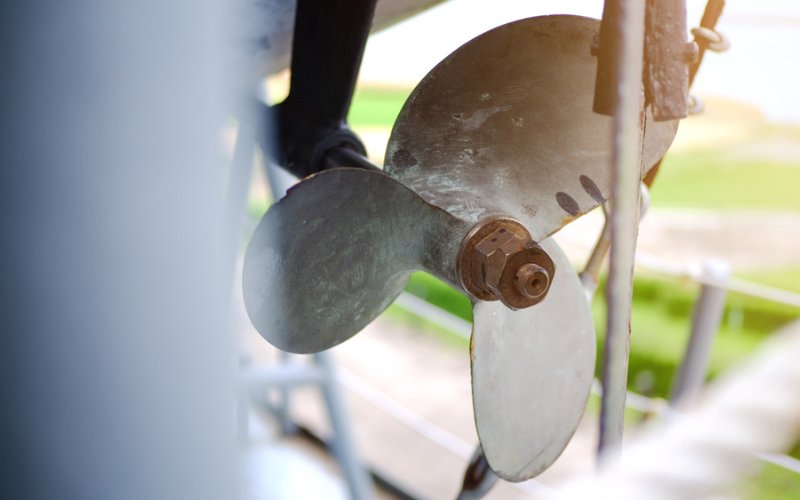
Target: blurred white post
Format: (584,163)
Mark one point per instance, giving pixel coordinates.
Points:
(116,373)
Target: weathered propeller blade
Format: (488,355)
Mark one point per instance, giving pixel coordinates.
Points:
(532,370)
(504,125)
(495,150)
(335,252)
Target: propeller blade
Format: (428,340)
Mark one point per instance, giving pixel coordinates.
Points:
(504,125)
(532,370)
(496,149)
(332,254)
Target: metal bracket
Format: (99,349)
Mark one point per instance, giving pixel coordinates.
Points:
(328,44)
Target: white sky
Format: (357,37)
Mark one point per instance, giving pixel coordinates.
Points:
(762,67)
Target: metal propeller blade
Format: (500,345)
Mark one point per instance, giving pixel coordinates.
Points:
(505,125)
(335,252)
(495,150)
(531,374)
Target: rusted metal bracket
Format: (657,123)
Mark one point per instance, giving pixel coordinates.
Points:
(606,48)
(667,55)
(706,38)
(328,44)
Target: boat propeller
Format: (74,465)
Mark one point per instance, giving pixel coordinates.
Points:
(495,150)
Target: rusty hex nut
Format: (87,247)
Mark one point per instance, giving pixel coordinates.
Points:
(532,280)
(493,253)
(498,260)
(521,261)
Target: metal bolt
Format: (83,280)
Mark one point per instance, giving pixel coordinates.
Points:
(498,260)
(532,280)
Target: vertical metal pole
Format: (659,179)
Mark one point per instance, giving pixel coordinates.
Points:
(627,169)
(284,401)
(706,319)
(354,472)
(590,276)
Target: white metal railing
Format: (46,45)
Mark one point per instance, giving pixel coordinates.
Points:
(695,273)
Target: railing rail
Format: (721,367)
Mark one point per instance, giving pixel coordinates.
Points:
(695,273)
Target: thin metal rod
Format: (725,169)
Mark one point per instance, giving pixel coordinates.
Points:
(627,169)
(343,441)
(590,276)
(283,409)
(591,272)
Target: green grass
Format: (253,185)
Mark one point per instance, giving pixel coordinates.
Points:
(436,292)
(661,322)
(715,180)
(786,278)
(374,107)
(770,483)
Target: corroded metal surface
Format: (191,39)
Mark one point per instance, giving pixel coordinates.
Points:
(667,58)
(504,126)
(531,374)
(499,261)
(335,252)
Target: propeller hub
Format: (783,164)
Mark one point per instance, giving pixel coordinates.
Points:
(498,260)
